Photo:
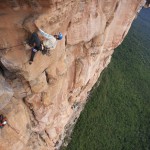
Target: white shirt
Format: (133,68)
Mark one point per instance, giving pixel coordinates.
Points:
(51,41)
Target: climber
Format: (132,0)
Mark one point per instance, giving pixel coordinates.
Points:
(36,45)
(49,42)
(3,121)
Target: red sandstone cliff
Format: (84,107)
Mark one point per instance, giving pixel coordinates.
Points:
(41,100)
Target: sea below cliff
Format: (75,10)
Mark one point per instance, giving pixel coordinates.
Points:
(117,115)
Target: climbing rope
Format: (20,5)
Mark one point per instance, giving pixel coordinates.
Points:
(17,131)
(12,46)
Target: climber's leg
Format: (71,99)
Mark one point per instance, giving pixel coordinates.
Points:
(32,55)
(34,39)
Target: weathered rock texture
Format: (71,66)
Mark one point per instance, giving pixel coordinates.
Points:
(41,100)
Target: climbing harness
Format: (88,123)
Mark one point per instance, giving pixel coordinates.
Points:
(46,51)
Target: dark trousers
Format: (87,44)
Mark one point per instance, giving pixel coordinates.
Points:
(34,39)
(35,42)
(32,55)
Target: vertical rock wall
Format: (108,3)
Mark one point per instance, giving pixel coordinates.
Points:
(44,98)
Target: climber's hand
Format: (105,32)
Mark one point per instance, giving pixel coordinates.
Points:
(34,50)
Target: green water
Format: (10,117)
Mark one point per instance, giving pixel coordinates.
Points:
(117,116)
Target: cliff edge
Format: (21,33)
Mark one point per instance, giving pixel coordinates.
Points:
(42,100)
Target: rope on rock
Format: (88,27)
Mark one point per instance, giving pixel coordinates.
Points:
(12,46)
(17,131)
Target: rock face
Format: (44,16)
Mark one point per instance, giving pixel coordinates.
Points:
(41,100)
(6,92)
